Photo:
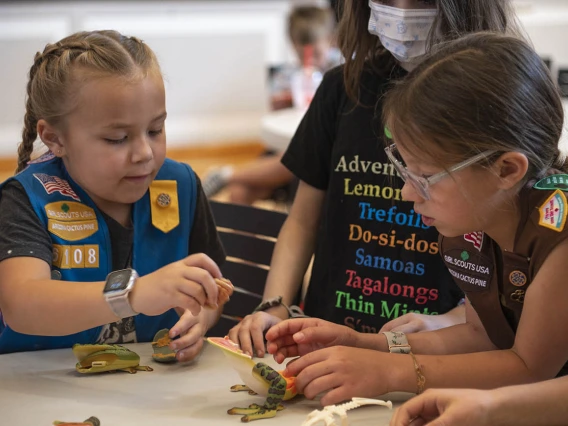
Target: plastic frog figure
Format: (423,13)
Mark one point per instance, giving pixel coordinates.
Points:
(101,358)
(259,378)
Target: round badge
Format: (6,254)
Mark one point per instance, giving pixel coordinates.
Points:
(517,278)
(163,200)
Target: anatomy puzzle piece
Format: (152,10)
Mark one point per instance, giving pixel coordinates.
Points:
(259,378)
(327,415)
(102,358)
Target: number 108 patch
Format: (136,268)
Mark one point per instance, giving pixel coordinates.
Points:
(82,256)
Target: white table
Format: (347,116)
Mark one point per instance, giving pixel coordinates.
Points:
(278,127)
(37,388)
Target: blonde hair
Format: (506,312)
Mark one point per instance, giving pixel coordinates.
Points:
(52,75)
(309,24)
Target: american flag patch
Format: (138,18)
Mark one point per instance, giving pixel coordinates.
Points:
(475,238)
(54,184)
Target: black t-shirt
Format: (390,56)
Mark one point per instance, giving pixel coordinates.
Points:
(22,234)
(374,260)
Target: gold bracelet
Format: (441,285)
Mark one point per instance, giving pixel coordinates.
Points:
(420,379)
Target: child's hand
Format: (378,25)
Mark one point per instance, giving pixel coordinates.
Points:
(341,373)
(447,407)
(300,336)
(249,333)
(188,283)
(191,330)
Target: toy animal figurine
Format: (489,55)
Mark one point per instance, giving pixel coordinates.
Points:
(329,413)
(259,378)
(91,421)
(102,358)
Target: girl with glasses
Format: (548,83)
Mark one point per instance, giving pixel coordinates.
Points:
(481,162)
(374,258)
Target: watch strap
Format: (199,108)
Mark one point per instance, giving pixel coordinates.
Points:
(294,311)
(397,341)
(120,304)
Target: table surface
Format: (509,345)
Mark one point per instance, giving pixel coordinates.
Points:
(37,388)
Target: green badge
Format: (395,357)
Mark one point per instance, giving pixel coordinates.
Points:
(464,255)
(65,208)
(553,182)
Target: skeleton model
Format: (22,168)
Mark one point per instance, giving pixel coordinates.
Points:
(329,414)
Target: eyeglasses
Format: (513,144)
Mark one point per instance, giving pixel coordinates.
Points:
(421,183)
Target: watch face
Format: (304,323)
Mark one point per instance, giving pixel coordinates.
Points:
(117,280)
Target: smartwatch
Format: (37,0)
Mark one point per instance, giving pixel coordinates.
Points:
(118,286)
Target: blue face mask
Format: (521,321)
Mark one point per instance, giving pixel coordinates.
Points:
(404,32)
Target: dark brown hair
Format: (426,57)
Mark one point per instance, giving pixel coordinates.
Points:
(51,77)
(309,24)
(485,91)
(455,18)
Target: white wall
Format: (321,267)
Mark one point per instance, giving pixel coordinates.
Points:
(214,55)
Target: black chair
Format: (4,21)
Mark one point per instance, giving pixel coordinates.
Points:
(248,235)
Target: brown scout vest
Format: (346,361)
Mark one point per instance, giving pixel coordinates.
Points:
(494,281)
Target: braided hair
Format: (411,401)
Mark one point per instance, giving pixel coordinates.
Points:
(51,77)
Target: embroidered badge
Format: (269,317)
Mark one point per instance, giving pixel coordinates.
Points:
(517,278)
(553,182)
(472,271)
(69,211)
(553,212)
(518,296)
(475,238)
(53,184)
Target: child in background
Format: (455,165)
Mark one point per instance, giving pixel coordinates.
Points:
(102,237)
(311,32)
(481,162)
(376,264)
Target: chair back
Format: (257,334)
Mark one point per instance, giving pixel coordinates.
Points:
(248,235)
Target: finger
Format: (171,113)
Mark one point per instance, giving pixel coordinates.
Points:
(259,324)
(412,409)
(234,333)
(188,302)
(201,260)
(187,339)
(186,321)
(408,328)
(244,337)
(282,342)
(189,353)
(288,327)
(315,381)
(203,286)
(296,367)
(397,322)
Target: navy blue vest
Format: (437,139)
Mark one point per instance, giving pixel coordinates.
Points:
(81,240)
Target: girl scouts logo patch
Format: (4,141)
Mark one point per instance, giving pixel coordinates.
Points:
(553,212)
(475,238)
(517,278)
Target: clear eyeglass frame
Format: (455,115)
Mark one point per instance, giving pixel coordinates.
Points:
(421,183)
